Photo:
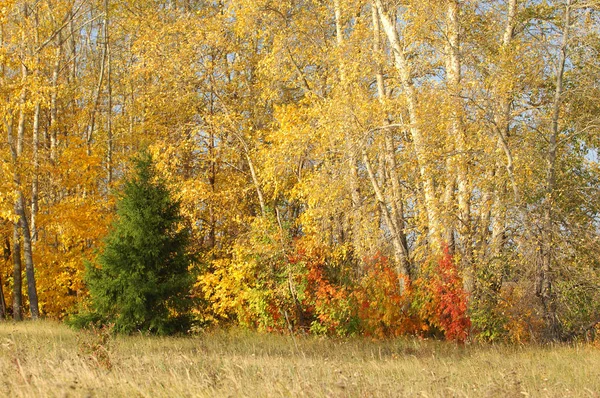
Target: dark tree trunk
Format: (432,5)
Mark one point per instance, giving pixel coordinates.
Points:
(17,281)
(29,270)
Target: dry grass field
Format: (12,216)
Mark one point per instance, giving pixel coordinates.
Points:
(46,359)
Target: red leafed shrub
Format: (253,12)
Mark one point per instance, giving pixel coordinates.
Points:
(449,309)
(330,301)
(325,303)
(317,291)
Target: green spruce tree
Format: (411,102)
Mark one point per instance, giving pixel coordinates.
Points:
(142,280)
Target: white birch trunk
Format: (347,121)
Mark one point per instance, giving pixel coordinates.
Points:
(425,170)
(395,220)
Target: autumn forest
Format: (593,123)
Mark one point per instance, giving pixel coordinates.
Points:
(343,167)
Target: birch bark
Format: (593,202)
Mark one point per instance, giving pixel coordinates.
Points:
(391,209)
(425,170)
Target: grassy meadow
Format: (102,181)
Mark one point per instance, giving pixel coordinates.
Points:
(47,359)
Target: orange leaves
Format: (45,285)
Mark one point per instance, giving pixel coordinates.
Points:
(443,301)
(330,303)
(310,288)
(383,308)
(452,306)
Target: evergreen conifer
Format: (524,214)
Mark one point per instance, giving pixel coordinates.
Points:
(143,279)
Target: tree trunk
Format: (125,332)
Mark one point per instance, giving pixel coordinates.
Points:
(2,301)
(29,268)
(421,149)
(36,169)
(54,102)
(459,161)
(547,295)
(353,183)
(259,192)
(212,180)
(17,301)
(17,151)
(6,256)
(400,251)
(73,45)
(395,220)
(339,36)
(109,140)
(17,272)
(35,138)
(502,121)
(98,93)
(493,199)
